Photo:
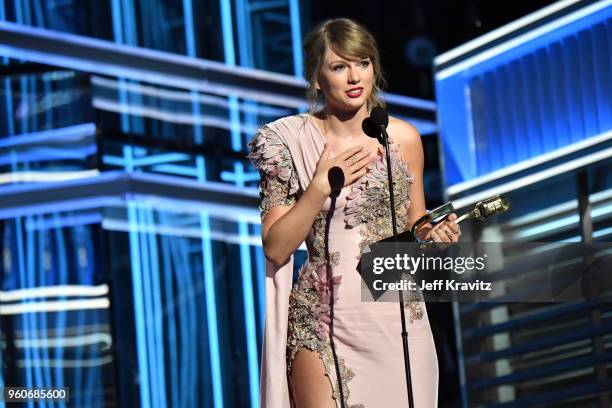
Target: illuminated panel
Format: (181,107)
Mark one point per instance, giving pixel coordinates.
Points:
(525,91)
(101,57)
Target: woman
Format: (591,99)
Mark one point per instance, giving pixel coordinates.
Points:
(323,346)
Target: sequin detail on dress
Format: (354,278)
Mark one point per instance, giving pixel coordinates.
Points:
(279,182)
(368,208)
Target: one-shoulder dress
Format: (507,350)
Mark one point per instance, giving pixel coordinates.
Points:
(366,336)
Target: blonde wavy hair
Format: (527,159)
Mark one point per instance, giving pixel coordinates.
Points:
(351,41)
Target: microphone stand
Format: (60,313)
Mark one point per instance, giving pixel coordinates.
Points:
(385,137)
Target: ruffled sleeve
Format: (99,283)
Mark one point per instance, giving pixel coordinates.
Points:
(278,179)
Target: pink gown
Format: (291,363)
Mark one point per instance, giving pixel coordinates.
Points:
(365,335)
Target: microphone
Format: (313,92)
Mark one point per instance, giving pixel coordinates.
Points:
(379,118)
(376,124)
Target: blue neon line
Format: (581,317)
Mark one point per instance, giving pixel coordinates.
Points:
(148,308)
(79,204)
(18,12)
(30,281)
(113,160)
(235,123)
(31,275)
(249,311)
(82,317)
(71,220)
(147,53)
(48,154)
(191,51)
(33,91)
(22,284)
(409,101)
(137,288)
(201,99)
(189,315)
(8,100)
(211,311)
(23,279)
(102,201)
(48,91)
(129,22)
(185,251)
(210,298)
(27,14)
(152,309)
(139,307)
(60,322)
(60,135)
(243,26)
(117,21)
(260,263)
(602,232)
(248,302)
(23,90)
(161,159)
(123,103)
(175,169)
(158,306)
(171,320)
(296,38)
(41,318)
(190,44)
(562,222)
(129,158)
(228,33)
(186,317)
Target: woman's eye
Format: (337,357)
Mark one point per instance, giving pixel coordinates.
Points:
(365,63)
(337,67)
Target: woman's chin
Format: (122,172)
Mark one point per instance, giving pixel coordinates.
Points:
(348,105)
(354,104)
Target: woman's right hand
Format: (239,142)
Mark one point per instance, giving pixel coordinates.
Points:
(352,162)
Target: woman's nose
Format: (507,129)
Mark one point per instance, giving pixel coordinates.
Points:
(353,75)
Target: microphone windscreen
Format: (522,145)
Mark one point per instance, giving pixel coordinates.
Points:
(368,128)
(378,117)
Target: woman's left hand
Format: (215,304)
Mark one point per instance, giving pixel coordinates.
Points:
(445,231)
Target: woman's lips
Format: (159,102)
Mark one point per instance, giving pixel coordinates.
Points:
(354,93)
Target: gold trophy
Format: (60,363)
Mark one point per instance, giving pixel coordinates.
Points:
(482,210)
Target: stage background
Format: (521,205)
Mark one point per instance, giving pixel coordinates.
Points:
(132,268)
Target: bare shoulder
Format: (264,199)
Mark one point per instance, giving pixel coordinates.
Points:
(405,134)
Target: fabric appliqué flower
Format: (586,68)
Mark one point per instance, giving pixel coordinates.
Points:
(278,178)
